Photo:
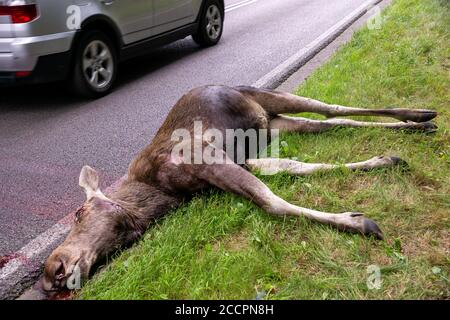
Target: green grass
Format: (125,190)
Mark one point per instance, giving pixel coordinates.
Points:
(222,247)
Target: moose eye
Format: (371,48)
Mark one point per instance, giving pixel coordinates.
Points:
(79,214)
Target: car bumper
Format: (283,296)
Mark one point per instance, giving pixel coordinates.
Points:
(45,58)
(49,68)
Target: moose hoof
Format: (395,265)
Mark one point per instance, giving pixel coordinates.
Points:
(427,115)
(358,223)
(399,162)
(427,127)
(370,228)
(418,115)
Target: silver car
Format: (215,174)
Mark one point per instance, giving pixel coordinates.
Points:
(82,41)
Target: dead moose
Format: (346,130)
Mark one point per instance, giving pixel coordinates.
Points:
(159,181)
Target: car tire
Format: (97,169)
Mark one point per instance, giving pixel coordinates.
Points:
(210,24)
(95,65)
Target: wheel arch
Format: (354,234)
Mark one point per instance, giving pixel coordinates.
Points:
(102,23)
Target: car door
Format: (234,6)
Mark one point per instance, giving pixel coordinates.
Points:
(133,17)
(171,14)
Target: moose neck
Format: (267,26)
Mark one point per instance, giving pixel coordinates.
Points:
(144,202)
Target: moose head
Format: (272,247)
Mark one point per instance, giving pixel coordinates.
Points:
(100,226)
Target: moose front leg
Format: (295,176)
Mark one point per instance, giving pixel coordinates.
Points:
(235,179)
(273,166)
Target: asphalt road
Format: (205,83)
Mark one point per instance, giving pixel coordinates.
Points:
(47,135)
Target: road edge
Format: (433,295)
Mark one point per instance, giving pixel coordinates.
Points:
(282,72)
(18,276)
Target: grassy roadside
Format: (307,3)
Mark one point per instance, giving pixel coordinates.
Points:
(222,247)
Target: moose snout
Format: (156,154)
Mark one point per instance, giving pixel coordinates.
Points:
(62,265)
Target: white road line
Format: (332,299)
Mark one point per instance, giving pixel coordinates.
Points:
(238,5)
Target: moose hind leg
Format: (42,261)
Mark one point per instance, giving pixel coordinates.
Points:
(277,102)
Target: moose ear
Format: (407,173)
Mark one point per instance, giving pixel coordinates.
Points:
(89,182)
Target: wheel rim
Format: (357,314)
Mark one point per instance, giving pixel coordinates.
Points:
(98,64)
(213,22)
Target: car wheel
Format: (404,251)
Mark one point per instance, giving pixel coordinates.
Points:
(210,24)
(95,66)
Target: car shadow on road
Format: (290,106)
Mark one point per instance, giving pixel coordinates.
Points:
(136,68)
(58,96)
(36,97)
